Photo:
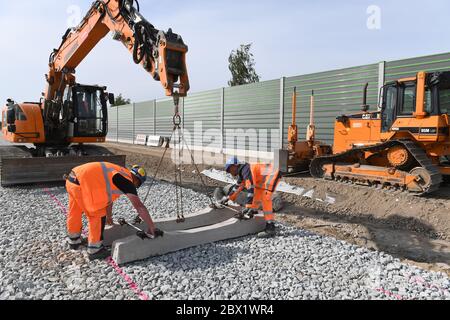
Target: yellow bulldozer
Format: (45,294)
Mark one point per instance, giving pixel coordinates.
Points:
(404,145)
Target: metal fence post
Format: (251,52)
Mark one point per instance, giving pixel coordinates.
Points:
(282,90)
(134,122)
(117,121)
(222,120)
(381,80)
(154,117)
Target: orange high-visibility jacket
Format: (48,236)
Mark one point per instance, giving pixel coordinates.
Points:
(262,177)
(96,182)
(265,176)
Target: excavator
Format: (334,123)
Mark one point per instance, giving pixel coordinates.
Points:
(405,145)
(49,137)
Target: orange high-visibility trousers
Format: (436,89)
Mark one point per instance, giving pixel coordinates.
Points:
(263,199)
(96,220)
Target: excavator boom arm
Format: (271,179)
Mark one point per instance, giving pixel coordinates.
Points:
(160,53)
(72,115)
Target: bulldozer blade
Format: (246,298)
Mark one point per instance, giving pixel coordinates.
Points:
(19,171)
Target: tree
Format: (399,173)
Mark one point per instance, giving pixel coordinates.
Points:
(242,66)
(120,101)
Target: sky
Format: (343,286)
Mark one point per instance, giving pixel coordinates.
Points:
(289,37)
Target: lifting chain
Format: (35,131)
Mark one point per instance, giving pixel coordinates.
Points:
(178,136)
(178,132)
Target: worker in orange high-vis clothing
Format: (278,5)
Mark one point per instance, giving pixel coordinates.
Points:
(260,181)
(92,189)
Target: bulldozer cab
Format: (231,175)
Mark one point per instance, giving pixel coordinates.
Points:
(399,101)
(90,112)
(412,98)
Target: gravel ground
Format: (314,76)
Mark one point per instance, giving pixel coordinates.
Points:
(36,264)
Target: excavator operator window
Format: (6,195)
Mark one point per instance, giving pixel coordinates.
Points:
(20,115)
(89,108)
(15,113)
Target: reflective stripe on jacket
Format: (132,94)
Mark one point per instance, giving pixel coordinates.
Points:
(96,182)
(255,176)
(265,176)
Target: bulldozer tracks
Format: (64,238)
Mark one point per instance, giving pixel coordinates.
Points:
(434,177)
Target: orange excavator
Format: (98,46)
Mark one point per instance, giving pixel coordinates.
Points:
(70,115)
(403,146)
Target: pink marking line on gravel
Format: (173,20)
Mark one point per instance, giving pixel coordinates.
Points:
(56,200)
(131,284)
(422,281)
(390,294)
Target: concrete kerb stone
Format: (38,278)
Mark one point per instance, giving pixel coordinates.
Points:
(134,249)
(202,218)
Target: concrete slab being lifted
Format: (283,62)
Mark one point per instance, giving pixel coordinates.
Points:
(202,218)
(133,248)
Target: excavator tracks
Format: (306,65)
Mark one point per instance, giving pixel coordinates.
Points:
(429,176)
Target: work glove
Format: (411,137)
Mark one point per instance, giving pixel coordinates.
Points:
(147,235)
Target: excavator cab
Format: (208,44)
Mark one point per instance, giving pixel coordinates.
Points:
(78,115)
(90,113)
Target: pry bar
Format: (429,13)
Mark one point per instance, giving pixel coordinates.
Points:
(141,233)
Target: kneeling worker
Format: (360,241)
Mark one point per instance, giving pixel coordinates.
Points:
(92,189)
(261,181)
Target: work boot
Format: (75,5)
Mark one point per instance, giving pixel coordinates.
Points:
(270,231)
(75,243)
(102,254)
